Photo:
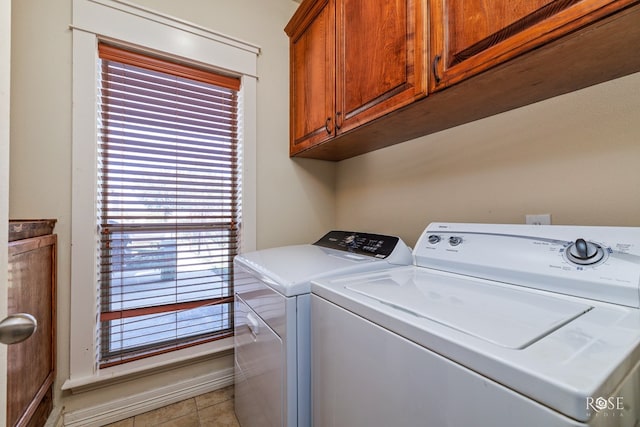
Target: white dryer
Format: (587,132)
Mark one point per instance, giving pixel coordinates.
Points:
(494,325)
(272,294)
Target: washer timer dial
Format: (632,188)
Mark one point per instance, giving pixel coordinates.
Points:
(583,252)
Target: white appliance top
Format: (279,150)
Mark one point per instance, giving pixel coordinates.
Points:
(290,269)
(548,311)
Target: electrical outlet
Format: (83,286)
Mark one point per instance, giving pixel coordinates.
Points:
(539,219)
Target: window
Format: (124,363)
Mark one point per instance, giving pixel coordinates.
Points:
(168,213)
(142,30)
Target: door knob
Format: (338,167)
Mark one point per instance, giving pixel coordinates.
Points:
(17,328)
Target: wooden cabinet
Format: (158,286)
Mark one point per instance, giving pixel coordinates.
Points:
(358,70)
(469,37)
(312,74)
(32,290)
(351,62)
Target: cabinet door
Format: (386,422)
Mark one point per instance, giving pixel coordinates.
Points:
(381,57)
(471,36)
(312,77)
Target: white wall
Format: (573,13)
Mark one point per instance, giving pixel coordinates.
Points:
(40,178)
(295,197)
(574,156)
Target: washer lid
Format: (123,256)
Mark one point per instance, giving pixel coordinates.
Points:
(507,317)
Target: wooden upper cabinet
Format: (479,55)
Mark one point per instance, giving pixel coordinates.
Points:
(360,73)
(352,61)
(312,76)
(381,58)
(470,36)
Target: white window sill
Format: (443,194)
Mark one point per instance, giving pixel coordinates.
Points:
(149,366)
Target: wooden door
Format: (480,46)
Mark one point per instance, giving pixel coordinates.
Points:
(381,56)
(312,75)
(469,36)
(31,363)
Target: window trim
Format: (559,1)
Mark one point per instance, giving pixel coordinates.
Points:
(124,24)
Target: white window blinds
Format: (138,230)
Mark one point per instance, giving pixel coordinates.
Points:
(168,205)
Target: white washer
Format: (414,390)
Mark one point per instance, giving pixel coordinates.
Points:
(493,325)
(272,294)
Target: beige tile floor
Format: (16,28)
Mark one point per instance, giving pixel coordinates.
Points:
(214,409)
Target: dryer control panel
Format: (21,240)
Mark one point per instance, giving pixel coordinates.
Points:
(599,263)
(374,245)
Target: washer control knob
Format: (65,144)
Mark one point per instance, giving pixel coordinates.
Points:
(433,239)
(455,241)
(584,253)
(584,250)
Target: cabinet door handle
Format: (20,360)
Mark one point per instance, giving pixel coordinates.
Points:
(436,61)
(326,126)
(338,114)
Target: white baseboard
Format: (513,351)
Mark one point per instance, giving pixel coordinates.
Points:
(120,409)
(55,418)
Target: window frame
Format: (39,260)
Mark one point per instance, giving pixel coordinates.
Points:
(133,27)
